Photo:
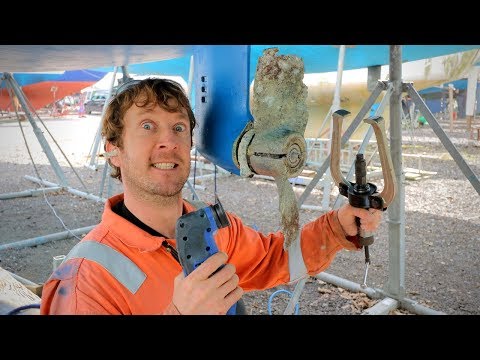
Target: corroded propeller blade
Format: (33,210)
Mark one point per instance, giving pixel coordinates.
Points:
(274,145)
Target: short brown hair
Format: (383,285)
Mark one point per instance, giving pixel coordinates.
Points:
(155,90)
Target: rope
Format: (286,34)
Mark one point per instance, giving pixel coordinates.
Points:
(38,175)
(278,292)
(41,185)
(215,180)
(23,307)
(32,110)
(194,172)
(65,156)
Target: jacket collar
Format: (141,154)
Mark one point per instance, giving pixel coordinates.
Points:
(130,234)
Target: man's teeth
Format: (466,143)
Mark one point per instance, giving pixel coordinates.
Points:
(164,165)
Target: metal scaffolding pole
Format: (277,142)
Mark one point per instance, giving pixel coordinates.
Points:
(98,135)
(37,131)
(453,151)
(383,103)
(327,184)
(350,130)
(393,294)
(334,107)
(375,293)
(67,188)
(396,210)
(46,238)
(346,135)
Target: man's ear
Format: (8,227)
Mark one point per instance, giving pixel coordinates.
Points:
(111,153)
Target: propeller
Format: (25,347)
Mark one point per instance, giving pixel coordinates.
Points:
(273,144)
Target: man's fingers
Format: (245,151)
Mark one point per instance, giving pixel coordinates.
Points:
(224,274)
(230,284)
(209,266)
(369,219)
(366,214)
(233,297)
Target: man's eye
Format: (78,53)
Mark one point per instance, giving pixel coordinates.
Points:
(147,126)
(180,127)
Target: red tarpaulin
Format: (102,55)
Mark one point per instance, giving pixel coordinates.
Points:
(44,93)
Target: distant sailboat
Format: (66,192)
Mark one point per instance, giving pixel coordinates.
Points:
(354,92)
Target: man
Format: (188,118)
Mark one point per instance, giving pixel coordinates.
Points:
(128,263)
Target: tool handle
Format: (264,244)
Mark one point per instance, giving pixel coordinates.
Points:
(365,237)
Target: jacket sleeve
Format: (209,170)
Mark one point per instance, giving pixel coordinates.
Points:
(322,239)
(262,263)
(69,292)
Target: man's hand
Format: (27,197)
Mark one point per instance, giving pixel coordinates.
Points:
(202,293)
(369,219)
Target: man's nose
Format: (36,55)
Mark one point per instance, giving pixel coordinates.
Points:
(168,140)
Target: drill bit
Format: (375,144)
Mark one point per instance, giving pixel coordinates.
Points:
(367,263)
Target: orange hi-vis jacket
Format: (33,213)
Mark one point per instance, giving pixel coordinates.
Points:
(83,286)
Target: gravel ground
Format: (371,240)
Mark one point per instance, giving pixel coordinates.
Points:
(442,221)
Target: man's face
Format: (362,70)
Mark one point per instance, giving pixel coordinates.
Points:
(155,158)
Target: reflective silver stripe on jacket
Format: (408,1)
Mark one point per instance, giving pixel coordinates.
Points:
(296,264)
(117,264)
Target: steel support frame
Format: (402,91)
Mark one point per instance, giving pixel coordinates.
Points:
(12,83)
(393,294)
(335,106)
(62,180)
(93,163)
(445,140)
(63,185)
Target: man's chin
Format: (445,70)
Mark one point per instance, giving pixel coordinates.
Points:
(168,192)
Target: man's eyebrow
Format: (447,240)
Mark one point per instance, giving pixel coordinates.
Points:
(144,110)
(179,113)
(182,115)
